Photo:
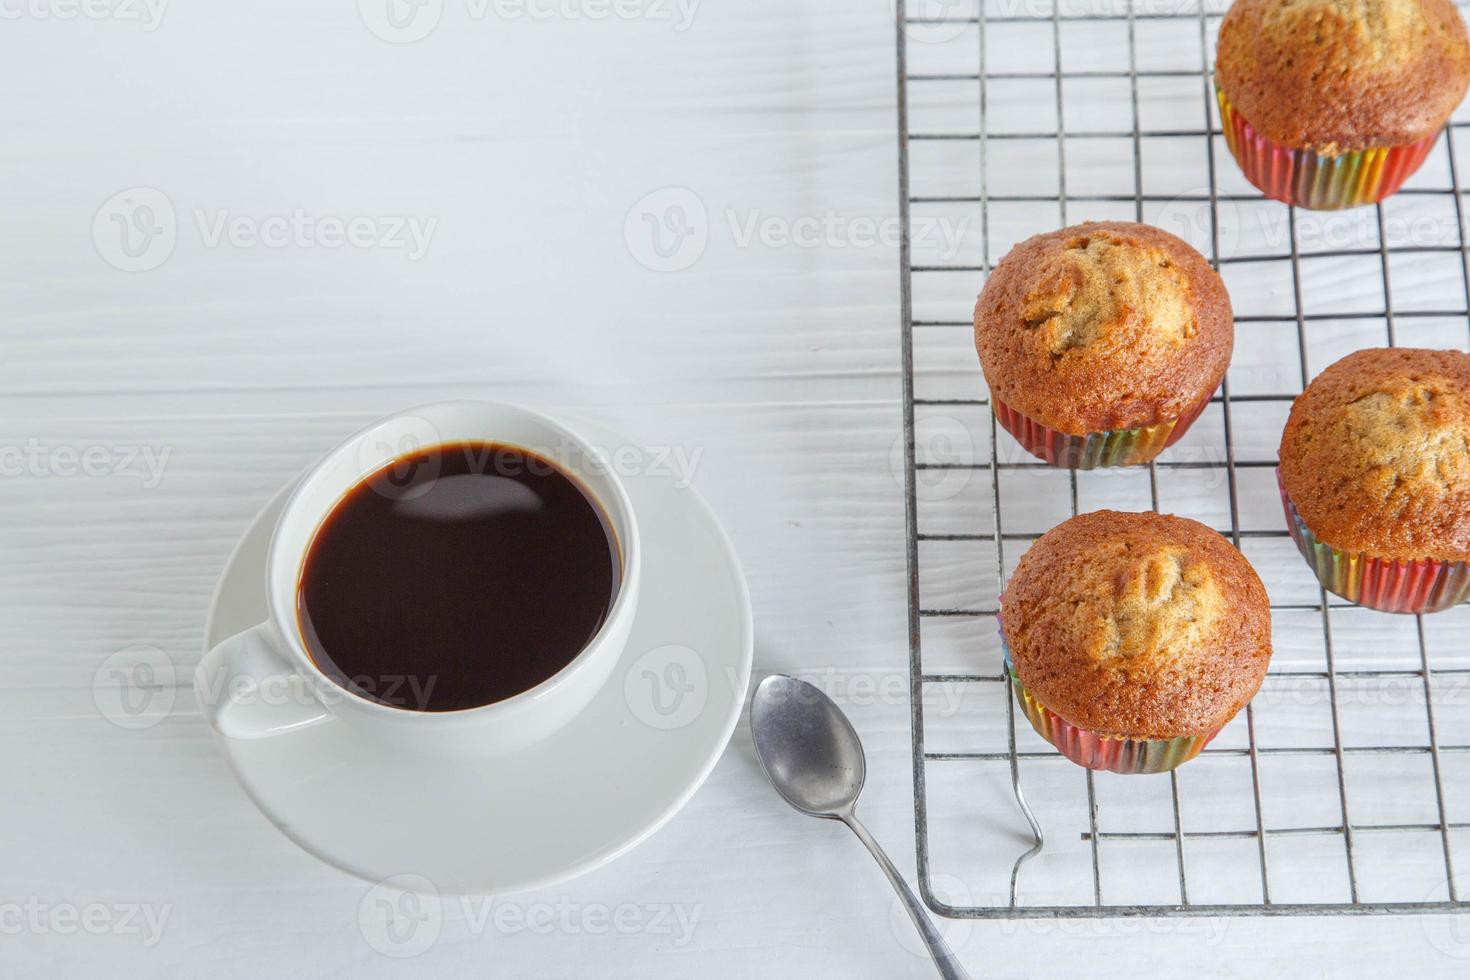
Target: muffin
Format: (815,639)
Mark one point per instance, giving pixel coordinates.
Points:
(1375,478)
(1102,343)
(1329,103)
(1132,639)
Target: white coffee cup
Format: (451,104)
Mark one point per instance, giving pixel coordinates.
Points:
(263,683)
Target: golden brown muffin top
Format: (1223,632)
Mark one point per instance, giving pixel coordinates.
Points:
(1341,75)
(1104,325)
(1139,625)
(1376,454)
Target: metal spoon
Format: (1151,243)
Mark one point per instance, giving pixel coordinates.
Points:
(813,757)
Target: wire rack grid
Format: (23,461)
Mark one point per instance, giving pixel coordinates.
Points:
(1365,696)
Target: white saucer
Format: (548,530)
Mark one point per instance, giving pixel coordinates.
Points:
(562,807)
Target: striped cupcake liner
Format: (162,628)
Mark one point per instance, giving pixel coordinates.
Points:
(1106,753)
(1314,181)
(1118,447)
(1389,586)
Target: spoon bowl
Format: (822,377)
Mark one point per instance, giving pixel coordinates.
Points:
(807,747)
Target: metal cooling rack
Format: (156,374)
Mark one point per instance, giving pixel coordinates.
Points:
(1274,847)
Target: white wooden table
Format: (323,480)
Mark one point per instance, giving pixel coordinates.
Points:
(153,398)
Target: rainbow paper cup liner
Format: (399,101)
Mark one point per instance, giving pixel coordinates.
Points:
(1118,447)
(1314,181)
(1106,753)
(1379,583)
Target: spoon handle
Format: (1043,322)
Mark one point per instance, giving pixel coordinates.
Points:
(949,967)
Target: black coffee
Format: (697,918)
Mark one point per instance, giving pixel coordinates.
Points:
(456,577)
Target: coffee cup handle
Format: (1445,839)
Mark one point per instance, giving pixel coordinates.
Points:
(247,688)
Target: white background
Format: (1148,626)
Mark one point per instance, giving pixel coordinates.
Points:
(528,141)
